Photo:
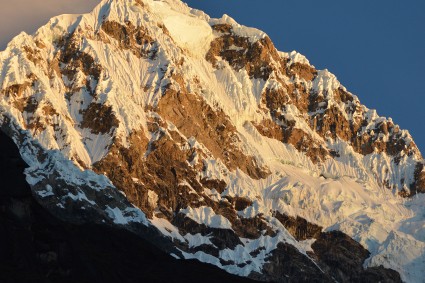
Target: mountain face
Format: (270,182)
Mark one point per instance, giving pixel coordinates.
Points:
(202,139)
(37,247)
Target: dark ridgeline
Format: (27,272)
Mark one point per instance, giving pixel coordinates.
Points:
(37,247)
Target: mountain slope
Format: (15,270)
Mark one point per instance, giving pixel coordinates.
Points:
(238,153)
(37,247)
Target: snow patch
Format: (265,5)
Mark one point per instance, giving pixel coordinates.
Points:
(206,215)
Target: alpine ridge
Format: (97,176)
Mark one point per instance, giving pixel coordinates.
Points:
(201,138)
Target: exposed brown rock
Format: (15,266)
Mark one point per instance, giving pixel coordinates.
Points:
(212,184)
(48,110)
(332,123)
(300,95)
(255,58)
(100,118)
(363,144)
(259,60)
(36,123)
(250,228)
(165,31)
(294,93)
(253,228)
(303,71)
(286,264)
(276,99)
(221,238)
(304,143)
(223,28)
(75,60)
(316,102)
(33,55)
(385,138)
(241,203)
(341,95)
(343,258)
(140,3)
(163,170)
(20,103)
(40,44)
(136,39)
(17,90)
(69,60)
(294,136)
(119,165)
(328,122)
(54,68)
(269,129)
(419,184)
(31,105)
(300,228)
(195,118)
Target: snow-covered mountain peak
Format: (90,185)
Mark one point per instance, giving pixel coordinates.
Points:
(239,153)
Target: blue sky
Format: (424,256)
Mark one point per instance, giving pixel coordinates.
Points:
(375,48)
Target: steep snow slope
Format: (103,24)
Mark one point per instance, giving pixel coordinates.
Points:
(221,140)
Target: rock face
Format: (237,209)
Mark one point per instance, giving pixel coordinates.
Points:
(198,135)
(37,247)
(343,258)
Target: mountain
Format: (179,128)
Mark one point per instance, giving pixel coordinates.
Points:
(37,247)
(201,139)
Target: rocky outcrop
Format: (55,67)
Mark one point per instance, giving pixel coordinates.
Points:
(99,118)
(241,53)
(195,118)
(343,259)
(333,114)
(336,253)
(302,71)
(220,238)
(132,38)
(74,60)
(300,228)
(163,170)
(284,265)
(269,129)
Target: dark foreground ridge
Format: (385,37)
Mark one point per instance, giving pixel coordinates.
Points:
(37,247)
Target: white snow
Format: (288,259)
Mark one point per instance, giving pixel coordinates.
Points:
(116,215)
(295,57)
(197,240)
(80,197)
(48,192)
(252,34)
(167,228)
(206,215)
(188,31)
